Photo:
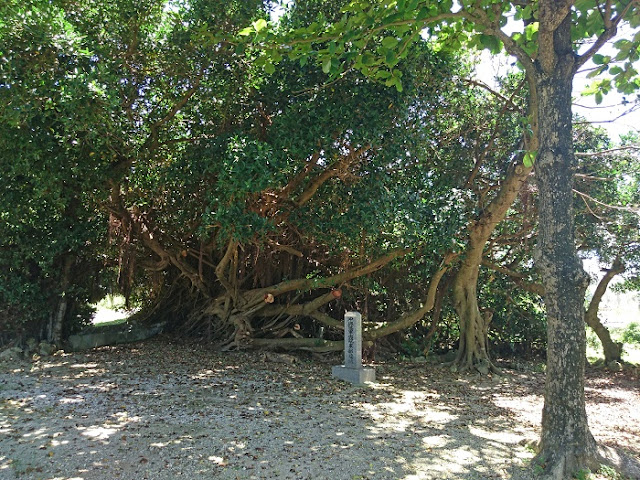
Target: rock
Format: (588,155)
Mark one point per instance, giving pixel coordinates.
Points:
(483,368)
(615,366)
(31,345)
(45,349)
(279,358)
(450,356)
(11,353)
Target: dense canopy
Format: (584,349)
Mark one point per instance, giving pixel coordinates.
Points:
(247,172)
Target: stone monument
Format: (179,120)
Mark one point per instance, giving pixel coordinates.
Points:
(352,371)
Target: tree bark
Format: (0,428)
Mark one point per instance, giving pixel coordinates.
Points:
(612,350)
(472,352)
(566,442)
(57,324)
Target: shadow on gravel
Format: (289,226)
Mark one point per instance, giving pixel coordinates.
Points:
(163,411)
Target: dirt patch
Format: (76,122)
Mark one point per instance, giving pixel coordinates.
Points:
(165,411)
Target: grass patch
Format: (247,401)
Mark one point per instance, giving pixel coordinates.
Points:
(627,335)
(110,323)
(112,302)
(111,311)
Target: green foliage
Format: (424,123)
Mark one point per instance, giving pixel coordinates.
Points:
(609,472)
(593,342)
(631,334)
(412,348)
(52,175)
(583,475)
(139,137)
(145,119)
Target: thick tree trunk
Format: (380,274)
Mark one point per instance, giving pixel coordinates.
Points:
(566,442)
(473,351)
(612,350)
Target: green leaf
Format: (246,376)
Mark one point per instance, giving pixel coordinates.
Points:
(260,24)
(489,42)
(367,59)
(326,65)
(246,31)
(598,59)
(389,42)
(597,72)
(529,159)
(390,58)
(598,98)
(269,68)
(531,30)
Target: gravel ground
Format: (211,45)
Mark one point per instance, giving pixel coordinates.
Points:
(165,411)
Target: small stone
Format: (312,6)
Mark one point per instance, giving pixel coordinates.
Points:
(483,367)
(45,349)
(615,366)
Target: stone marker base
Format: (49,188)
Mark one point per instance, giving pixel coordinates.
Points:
(354,375)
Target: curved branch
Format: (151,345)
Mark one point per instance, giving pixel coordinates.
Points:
(327,320)
(223,265)
(334,171)
(299,309)
(299,177)
(517,278)
(492,27)
(592,312)
(610,31)
(411,318)
(257,295)
(605,152)
(585,197)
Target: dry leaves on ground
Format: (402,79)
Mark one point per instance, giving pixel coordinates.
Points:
(164,411)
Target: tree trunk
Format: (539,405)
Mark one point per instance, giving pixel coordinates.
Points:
(474,325)
(57,323)
(472,352)
(612,350)
(566,442)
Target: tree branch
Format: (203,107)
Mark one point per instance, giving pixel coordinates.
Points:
(635,211)
(333,171)
(257,295)
(518,278)
(611,28)
(616,268)
(411,318)
(223,264)
(311,344)
(302,309)
(605,152)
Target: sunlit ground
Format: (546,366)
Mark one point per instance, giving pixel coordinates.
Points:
(111,310)
(164,411)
